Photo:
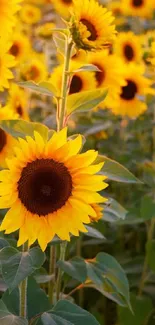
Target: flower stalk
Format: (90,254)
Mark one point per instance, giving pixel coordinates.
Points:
(23,291)
(63,247)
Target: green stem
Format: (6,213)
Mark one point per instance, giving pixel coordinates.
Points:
(63,247)
(65,82)
(23,291)
(52,269)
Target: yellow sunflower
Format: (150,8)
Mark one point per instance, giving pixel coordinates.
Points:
(128,47)
(8,9)
(91,25)
(62,7)
(34,68)
(20,46)
(50,188)
(142,8)
(152,59)
(115,7)
(6,141)
(7,62)
(30,14)
(99,212)
(45,30)
(18,101)
(131,101)
(80,81)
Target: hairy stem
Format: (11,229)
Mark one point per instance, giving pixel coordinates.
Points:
(63,247)
(52,270)
(23,291)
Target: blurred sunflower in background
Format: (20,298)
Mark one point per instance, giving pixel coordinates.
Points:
(18,101)
(128,47)
(131,101)
(20,46)
(50,189)
(34,68)
(63,7)
(8,8)
(91,25)
(141,8)
(30,14)
(80,80)
(7,61)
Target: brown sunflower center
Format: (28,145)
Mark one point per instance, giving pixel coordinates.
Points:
(128,52)
(99,75)
(76,85)
(2,139)
(91,29)
(44,186)
(33,73)
(129,91)
(14,50)
(19,110)
(137,3)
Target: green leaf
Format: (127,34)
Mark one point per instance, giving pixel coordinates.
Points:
(150,248)
(16,266)
(87,67)
(3,243)
(86,100)
(6,318)
(93,233)
(109,277)
(116,172)
(66,313)
(39,88)
(21,128)
(142,307)
(113,211)
(147,209)
(76,268)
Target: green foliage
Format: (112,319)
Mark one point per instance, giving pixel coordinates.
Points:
(6,318)
(44,88)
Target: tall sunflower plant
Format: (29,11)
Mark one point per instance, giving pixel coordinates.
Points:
(49,195)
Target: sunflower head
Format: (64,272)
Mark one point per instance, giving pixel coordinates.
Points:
(141,8)
(128,46)
(20,46)
(91,25)
(7,61)
(34,68)
(30,14)
(50,188)
(18,101)
(62,7)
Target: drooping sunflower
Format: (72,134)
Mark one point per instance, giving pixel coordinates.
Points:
(131,101)
(80,81)
(8,8)
(7,142)
(30,14)
(18,101)
(34,68)
(128,47)
(62,7)
(20,46)
(142,8)
(50,188)
(7,62)
(91,25)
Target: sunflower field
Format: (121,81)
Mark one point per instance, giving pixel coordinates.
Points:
(77,162)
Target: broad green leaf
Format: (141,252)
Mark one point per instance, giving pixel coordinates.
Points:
(113,211)
(39,88)
(76,268)
(63,31)
(147,209)
(16,266)
(107,274)
(3,243)
(60,44)
(6,318)
(142,307)
(21,128)
(49,86)
(150,248)
(116,172)
(93,233)
(86,100)
(66,313)
(37,300)
(87,67)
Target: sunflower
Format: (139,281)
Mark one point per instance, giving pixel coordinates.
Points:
(50,188)
(152,59)
(34,68)
(128,47)
(142,8)
(45,30)
(20,46)
(80,81)
(99,212)
(131,101)
(30,14)
(91,25)
(115,7)
(6,141)
(62,7)
(7,61)
(18,101)
(8,8)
